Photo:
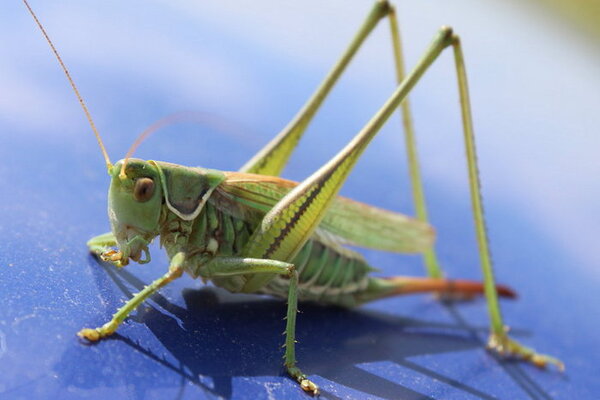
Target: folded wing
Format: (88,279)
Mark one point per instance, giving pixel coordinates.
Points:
(350,222)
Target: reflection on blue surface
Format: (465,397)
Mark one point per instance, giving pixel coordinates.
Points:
(196,342)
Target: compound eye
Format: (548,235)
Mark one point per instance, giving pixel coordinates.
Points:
(143,189)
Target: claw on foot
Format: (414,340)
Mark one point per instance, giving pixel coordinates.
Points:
(93,335)
(111,255)
(309,387)
(507,347)
(114,257)
(90,334)
(306,385)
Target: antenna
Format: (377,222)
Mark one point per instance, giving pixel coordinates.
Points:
(81,102)
(204,118)
(151,129)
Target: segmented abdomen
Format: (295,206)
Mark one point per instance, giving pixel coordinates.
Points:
(329,273)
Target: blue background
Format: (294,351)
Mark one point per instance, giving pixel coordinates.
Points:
(248,66)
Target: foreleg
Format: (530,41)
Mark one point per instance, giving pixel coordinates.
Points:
(175,271)
(102,243)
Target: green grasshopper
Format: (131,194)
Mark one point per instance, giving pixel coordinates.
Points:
(254,232)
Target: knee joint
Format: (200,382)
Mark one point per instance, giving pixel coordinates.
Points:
(291,270)
(175,271)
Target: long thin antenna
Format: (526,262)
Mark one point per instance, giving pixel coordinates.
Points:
(208,119)
(81,102)
(147,132)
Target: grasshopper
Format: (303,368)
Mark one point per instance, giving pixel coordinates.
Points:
(252,231)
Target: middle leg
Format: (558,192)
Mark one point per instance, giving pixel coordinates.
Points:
(291,222)
(231,266)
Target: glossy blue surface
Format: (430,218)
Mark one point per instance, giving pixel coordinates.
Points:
(250,66)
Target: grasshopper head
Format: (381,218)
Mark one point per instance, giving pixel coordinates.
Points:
(134,206)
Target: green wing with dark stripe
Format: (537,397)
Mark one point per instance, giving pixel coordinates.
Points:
(351,222)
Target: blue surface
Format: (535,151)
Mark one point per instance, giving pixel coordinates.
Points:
(535,93)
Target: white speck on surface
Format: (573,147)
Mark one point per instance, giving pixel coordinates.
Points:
(271,388)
